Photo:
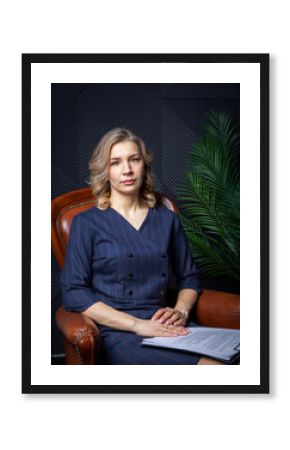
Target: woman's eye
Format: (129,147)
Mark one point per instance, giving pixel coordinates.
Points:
(117,162)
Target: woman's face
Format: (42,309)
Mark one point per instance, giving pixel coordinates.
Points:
(126,163)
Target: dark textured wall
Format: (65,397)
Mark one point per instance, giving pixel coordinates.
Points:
(169,118)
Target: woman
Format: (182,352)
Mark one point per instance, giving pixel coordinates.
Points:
(118,256)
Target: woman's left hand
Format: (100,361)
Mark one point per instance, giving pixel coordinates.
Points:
(170,316)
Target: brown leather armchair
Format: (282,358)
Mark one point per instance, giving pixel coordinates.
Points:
(81,334)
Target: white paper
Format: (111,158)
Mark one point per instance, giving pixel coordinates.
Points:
(217,342)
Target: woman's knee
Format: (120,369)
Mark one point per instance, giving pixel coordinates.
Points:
(209,361)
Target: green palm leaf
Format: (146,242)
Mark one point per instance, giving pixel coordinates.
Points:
(211,198)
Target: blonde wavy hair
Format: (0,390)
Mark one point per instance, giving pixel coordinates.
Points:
(99,166)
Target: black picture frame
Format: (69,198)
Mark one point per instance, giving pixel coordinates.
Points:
(260,60)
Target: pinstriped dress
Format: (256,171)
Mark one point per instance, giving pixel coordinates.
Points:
(109,260)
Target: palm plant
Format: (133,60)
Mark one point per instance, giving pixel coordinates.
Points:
(211,198)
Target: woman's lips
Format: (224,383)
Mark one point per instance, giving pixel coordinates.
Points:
(129,182)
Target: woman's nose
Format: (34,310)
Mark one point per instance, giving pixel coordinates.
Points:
(127,167)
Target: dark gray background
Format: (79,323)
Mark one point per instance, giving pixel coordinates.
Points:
(168,117)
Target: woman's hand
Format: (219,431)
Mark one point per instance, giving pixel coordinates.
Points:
(150,328)
(170,316)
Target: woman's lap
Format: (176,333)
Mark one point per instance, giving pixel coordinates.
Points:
(122,347)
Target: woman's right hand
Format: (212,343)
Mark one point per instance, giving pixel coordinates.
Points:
(151,328)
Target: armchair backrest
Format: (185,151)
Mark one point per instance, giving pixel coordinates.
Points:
(66,206)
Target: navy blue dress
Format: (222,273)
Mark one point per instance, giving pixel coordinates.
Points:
(109,260)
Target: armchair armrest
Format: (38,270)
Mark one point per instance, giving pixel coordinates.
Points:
(82,337)
(217,309)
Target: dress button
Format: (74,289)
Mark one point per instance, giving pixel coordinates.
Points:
(130,255)
(163,274)
(130,275)
(130,292)
(163,256)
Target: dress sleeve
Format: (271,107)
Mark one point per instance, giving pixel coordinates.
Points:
(182,262)
(75,278)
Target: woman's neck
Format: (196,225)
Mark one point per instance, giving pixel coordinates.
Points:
(127,205)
